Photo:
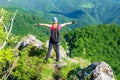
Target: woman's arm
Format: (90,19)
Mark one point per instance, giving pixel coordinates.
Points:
(64,24)
(42,24)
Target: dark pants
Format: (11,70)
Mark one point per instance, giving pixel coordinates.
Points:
(55,45)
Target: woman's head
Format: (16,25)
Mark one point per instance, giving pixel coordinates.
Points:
(54,20)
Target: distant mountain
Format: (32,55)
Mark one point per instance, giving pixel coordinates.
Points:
(85,12)
(55,5)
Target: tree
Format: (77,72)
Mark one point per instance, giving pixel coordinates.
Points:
(6,54)
(7,28)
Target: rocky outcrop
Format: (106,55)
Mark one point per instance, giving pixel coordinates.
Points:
(95,71)
(101,71)
(29,40)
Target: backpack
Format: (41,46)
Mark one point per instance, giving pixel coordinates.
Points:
(55,34)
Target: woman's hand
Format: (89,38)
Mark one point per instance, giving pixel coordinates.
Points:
(36,24)
(73,22)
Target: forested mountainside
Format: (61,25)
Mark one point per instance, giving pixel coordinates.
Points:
(84,11)
(96,43)
(85,44)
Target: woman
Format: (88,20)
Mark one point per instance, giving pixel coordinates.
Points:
(54,37)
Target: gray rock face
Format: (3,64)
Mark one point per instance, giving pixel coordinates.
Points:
(102,71)
(98,71)
(29,40)
(95,71)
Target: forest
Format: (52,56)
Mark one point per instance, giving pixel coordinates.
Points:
(96,43)
(92,43)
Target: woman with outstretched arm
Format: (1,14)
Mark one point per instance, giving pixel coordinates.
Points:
(54,40)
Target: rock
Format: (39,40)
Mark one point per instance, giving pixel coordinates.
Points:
(95,71)
(29,40)
(62,53)
(102,71)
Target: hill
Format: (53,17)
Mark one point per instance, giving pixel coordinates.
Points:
(92,43)
(86,45)
(84,11)
(30,65)
(24,24)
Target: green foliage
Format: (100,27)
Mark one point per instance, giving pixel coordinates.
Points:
(97,43)
(30,64)
(2,34)
(85,12)
(12,41)
(24,25)
(6,55)
(75,74)
(66,69)
(46,72)
(5,15)
(6,58)
(5,26)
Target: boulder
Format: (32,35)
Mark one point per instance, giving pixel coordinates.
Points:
(97,71)
(29,40)
(102,71)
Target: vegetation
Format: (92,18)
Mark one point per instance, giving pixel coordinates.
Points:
(29,63)
(93,43)
(6,52)
(30,66)
(24,24)
(97,43)
(84,11)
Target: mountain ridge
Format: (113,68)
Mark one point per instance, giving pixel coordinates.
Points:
(96,12)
